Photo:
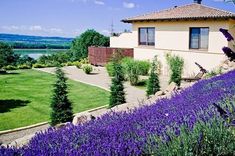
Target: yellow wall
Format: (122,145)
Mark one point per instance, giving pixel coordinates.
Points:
(175,34)
(232,32)
(125,40)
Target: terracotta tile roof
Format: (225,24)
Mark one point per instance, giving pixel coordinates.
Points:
(191,11)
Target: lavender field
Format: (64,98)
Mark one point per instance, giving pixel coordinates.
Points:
(129,133)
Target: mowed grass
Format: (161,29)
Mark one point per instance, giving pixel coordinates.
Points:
(25,97)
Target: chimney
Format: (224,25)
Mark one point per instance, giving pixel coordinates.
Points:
(198,1)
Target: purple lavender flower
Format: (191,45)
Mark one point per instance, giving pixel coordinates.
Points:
(226,34)
(229,53)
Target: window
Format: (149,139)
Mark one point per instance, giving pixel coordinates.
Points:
(147,36)
(199,38)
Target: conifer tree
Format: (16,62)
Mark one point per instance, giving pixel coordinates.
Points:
(61,106)
(117,96)
(153,81)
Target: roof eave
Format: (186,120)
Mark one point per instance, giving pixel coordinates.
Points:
(175,19)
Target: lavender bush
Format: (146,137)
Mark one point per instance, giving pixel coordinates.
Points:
(128,133)
(228,51)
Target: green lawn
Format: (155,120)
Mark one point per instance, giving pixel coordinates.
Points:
(25,97)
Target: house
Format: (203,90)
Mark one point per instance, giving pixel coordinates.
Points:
(190,31)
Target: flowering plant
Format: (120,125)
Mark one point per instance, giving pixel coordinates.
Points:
(228,51)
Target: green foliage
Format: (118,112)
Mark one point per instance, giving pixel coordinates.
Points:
(176,64)
(55,59)
(214,72)
(25,60)
(7,56)
(110,69)
(87,68)
(24,66)
(153,83)
(211,138)
(117,95)
(38,65)
(10,67)
(61,106)
(144,67)
(88,38)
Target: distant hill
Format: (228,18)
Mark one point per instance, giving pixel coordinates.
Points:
(36,42)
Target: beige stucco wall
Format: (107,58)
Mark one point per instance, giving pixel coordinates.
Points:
(125,40)
(173,36)
(232,32)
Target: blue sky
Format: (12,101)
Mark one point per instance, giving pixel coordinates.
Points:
(70,18)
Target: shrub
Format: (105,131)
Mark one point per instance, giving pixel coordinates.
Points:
(87,68)
(77,64)
(207,138)
(84,61)
(26,60)
(143,67)
(176,66)
(153,83)
(10,67)
(117,95)
(214,72)
(61,106)
(132,71)
(24,66)
(110,69)
(38,65)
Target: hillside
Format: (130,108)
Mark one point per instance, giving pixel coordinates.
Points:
(36,42)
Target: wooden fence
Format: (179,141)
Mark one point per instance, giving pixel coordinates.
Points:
(99,56)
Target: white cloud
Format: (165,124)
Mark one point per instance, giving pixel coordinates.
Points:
(35,28)
(129,5)
(98,2)
(10,28)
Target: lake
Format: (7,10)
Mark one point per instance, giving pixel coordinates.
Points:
(36,53)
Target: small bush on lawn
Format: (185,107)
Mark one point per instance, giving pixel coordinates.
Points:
(176,64)
(10,67)
(24,66)
(61,106)
(87,68)
(132,71)
(38,65)
(117,96)
(153,83)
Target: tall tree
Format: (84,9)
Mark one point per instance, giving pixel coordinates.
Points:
(117,95)
(153,82)
(88,38)
(61,106)
(7,55)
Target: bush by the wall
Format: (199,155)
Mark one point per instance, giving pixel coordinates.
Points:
(61,106)
(153,82)
(176,64)
(117,95)
(87,68)
(143,67)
